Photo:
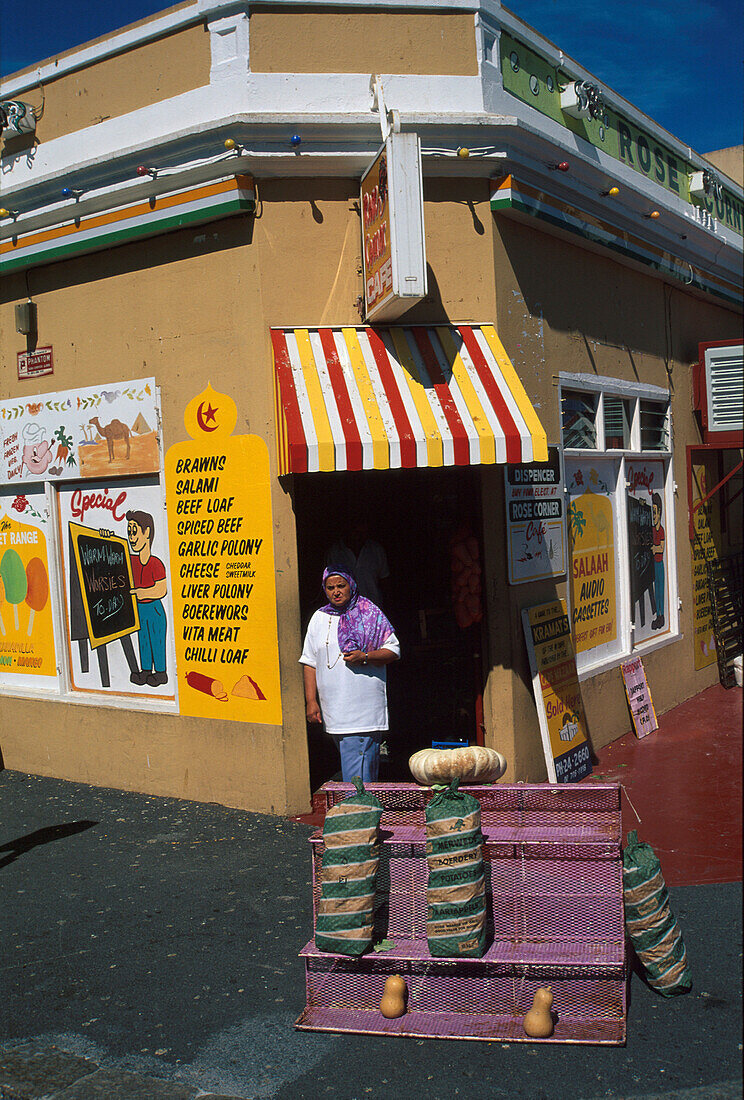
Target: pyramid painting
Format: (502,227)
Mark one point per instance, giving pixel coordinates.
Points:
(140,425)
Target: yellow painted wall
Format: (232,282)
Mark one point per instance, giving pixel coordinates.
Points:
(114,86)
(186,308)
(195,306)
(347,41)
(565,308)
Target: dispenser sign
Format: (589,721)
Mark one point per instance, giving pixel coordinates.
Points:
(535,519)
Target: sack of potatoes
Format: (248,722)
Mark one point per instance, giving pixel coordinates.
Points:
(471,764)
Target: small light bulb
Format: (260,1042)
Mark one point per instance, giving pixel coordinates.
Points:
(229,143)
(614,191)
(4,213)
(463,152)
(295,139)
(654,214)
(66,192)
(564,166)
(141,170)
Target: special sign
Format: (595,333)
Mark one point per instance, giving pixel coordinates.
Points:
(222,565)
(560,709)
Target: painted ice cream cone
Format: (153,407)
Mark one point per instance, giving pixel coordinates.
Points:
(37,592)
(14,578)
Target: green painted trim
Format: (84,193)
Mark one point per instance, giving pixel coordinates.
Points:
(626,250)
(113,237)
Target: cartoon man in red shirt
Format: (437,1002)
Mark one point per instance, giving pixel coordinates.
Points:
(659,579)
(150,587)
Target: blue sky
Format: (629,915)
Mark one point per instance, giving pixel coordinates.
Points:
(679,61)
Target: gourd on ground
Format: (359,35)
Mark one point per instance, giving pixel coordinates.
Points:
(393,1003)
(538,1023)
(471,763)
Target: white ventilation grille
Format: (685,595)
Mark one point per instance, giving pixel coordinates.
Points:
(724,385)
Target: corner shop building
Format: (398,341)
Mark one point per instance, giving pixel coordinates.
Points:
(555,315)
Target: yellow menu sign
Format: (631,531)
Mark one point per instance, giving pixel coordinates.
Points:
(222,567)
(560,710)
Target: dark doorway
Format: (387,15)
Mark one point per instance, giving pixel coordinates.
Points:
(434,691)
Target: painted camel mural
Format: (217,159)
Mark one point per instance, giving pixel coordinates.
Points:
(111,432)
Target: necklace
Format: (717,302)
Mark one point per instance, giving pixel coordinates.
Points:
(328,654)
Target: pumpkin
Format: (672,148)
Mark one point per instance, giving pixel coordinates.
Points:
(538,1023)
(472,764)
(393,1003)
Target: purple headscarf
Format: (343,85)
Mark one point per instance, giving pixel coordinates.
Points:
(362,624)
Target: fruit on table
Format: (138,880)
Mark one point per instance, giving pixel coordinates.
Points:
(37,592)
(472,764)
(538,1023)
(393,1003)
(14,579)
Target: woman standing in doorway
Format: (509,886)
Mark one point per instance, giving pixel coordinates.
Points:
(349,643)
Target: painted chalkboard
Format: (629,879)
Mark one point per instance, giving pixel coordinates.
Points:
(641,546)
(105,577)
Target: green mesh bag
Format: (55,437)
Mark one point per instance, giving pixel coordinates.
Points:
(347,899)
(649,921)
(456,892)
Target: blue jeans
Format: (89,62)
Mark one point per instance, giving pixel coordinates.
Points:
(151,636)
(360,755)
(659,587)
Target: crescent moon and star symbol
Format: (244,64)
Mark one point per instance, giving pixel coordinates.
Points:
(206,416)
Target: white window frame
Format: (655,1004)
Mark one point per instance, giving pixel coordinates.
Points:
(635,392)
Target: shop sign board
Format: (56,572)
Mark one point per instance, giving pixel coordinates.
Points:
(27,642)
(537,81)
(547,631)
(704,549)
(639,697)
(33,363)
(535,519)
(393,246)
(222,560)
(593,558)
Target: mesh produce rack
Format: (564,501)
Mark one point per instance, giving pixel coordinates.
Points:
(554,911)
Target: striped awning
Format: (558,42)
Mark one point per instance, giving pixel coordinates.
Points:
(385,398)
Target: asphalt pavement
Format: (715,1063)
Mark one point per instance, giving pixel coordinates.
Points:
(149,952)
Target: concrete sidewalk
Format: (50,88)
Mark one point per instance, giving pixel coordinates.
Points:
(149,951)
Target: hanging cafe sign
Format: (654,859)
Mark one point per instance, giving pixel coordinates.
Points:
(393,247)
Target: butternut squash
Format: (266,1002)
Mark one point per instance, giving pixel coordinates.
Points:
(538,1023)
(393,1003)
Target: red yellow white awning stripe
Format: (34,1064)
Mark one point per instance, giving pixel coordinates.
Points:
(385,398)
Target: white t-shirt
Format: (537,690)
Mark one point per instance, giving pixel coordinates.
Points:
(353,698)
(368,569)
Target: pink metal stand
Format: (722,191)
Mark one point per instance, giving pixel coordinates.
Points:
(555,912)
